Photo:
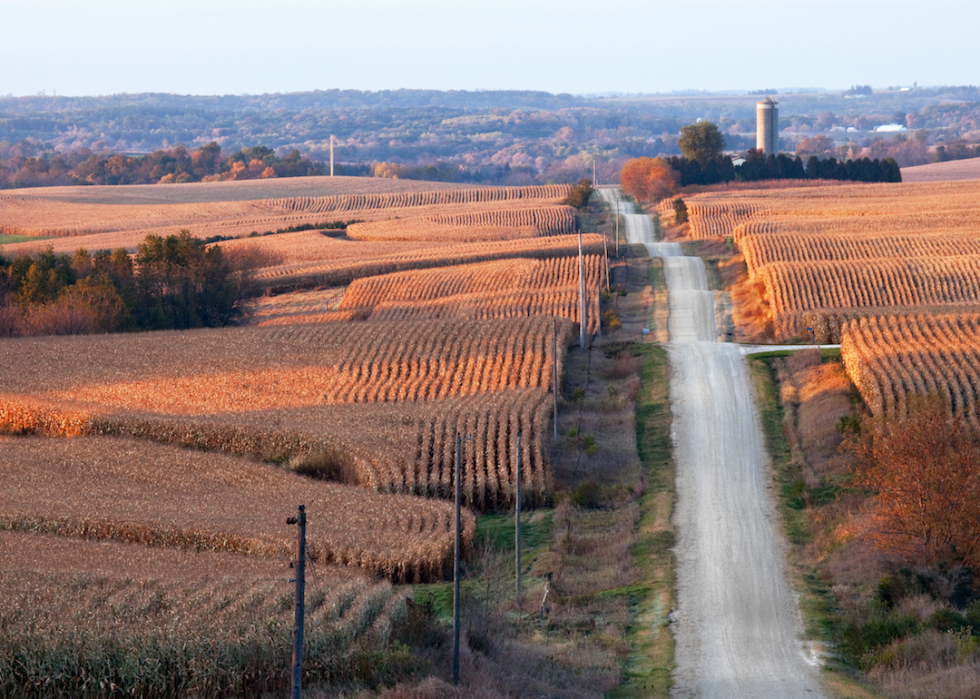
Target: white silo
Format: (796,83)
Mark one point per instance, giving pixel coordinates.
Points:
(767,126)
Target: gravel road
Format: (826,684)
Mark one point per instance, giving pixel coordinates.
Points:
(737,628)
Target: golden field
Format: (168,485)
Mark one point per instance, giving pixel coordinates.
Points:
(181,453)
(815,254)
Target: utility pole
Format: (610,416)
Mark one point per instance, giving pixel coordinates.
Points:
(331,155)
(517,523)
(459,446)
(300,600)
(605,252)
(581,293)
(554,368)
(617,227)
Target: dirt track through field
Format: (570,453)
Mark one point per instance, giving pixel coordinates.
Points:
(737,628)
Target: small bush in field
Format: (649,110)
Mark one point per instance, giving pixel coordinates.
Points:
(588,495)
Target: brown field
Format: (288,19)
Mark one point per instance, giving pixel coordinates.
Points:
(494,224)
(159,495)
(723,213)
(159,620)
(940,172)
(506,289)
(209,372)
(280,392)
(313,248)
(761,250)
(130,218)
(182,453)
(818,256)
(412,256)
(793,288)
(891,358)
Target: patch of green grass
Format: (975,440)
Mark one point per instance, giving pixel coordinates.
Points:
(647,672)
(653,418)
(827,354)
(5,239)
(498,529)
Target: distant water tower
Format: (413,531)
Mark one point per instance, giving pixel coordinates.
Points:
(767,126)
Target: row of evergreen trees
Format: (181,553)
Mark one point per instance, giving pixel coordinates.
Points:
(759,166)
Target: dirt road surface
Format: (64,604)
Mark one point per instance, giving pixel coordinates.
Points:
(737,628)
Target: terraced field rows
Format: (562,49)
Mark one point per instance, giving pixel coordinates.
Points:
(293,276)
(498,224)
(891,358)
(712,219)
(761,250)
(389,200)
(796,287)
(509,289)
(133,491)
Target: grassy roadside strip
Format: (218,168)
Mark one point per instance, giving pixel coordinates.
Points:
(650,663)
(816,601)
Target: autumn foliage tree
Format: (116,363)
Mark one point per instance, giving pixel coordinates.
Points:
(648,179)
(924,472)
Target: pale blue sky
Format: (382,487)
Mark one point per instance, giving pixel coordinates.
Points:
(243,46)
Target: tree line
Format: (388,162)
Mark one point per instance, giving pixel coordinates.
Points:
(759,166)
(173,282)
(172,165)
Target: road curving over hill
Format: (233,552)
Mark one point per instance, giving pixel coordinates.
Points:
(737,627)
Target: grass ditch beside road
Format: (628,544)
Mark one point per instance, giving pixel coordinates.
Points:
(651,660)
(817,603)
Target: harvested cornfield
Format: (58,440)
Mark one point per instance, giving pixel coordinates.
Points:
(493,224)
(763,249)
(180,373)
(955,222)
(80,616)
(305,247)
(292,308)
(828,323)
(710,219)
(892,358)
(158,495)
(793,288)
(510,289)
(401,200)
(316,273)
(120,220)
(361,409)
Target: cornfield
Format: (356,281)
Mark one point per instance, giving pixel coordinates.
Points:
(761,250)
(161,622)
(401,200)
(424,256)
(713,218)
(494,224)
(890,358)
(509,289)
(291,366)
(265,400)
(795,287)
(158,495)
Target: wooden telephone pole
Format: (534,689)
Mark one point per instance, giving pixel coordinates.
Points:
(297,684)
(459,445)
